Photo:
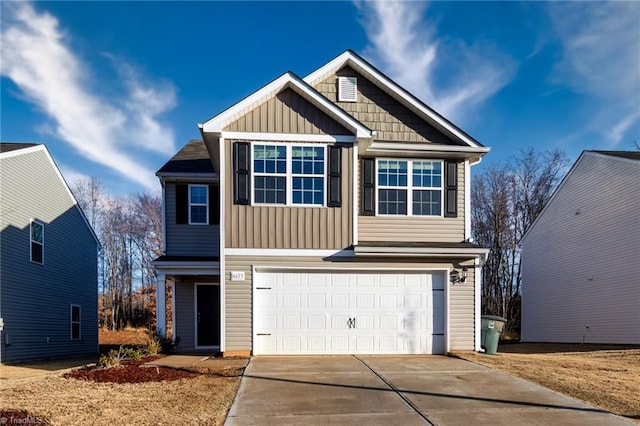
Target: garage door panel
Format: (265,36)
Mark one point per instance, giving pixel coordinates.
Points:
(347,313)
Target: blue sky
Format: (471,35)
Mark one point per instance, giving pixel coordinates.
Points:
(116,88)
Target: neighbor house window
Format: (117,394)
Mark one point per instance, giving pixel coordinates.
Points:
(407,187)
(75,322)
(37,242)
(198,204)
(289,175)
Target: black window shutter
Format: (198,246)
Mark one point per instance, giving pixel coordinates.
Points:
(368,187)
(214,204)
(451,189)
(334,181)
(182,204)
(241,173)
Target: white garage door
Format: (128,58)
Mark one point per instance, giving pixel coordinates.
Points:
(348,313)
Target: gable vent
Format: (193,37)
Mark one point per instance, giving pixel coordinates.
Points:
(347,89)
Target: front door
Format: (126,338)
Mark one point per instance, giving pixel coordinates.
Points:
(207,315)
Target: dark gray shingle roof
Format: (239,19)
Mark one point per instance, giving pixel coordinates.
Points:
(192,158)
(6,147)
(632,155)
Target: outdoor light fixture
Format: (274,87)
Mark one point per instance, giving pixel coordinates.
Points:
(457,277)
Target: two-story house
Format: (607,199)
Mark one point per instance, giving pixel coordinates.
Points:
(332,218)
(48,261)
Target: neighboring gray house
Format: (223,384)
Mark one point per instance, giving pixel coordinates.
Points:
(48,261)
(580,258)
(323,215)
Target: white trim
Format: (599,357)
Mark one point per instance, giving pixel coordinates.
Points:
(195,316)
(477,288)
(287,80)
(442,252)
(31,241)
(289,137)
(390,88)
(161,303)
(71,322)
(355,175)
(467,200)
(222,264)
(269,268)
(56,170)
(286,252)
(421,148)
(409,187)
(206,203)
(447,311)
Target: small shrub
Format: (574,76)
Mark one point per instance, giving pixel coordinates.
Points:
(163,345)
(131,353)
(112,359)
(153,347)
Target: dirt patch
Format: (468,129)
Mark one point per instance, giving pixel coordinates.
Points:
(607,377)
(130,371)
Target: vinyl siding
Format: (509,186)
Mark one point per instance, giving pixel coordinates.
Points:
(188,240)
(239,295)
(380,112)
(35,299)
(579,258)
(415,228)
(290,227)
(287,112)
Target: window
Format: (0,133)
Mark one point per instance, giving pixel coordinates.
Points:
(198,204)
(289,175)
(37,242)
(75,322)
(411,188)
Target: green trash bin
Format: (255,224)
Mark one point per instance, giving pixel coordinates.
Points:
(490,333)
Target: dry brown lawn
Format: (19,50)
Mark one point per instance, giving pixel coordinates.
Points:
(203,400)
(607,377)
(128,336)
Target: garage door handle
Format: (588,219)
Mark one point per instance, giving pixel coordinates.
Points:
(263,334)
(351,323)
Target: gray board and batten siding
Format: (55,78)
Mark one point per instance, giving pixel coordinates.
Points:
(188,240)
(36,299)
(579,257)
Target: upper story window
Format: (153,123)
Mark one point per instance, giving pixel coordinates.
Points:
(289,174)
(409,187)
(198,204)
(37,242)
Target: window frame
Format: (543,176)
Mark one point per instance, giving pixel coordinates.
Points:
(78,322)
(205,205)
(32,241)
(289,175)
(409,187)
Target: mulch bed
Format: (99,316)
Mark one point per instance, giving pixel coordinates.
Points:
(10,417)
(130,371)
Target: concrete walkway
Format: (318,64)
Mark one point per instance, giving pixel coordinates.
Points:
(390,390)
(198,363)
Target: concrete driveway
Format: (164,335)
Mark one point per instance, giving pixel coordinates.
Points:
(397,390)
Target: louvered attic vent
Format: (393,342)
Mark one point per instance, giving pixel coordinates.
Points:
(347,89)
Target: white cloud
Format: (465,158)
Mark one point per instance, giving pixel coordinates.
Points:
(447,74)
(601,60)
(37,58)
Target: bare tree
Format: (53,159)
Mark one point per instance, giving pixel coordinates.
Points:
(506,200)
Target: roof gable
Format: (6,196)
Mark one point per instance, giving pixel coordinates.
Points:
(26,149)
(287,81)
(384,83)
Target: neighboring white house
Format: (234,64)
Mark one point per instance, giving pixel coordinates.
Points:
(582,254)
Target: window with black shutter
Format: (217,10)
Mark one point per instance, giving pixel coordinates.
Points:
(368,186)
(334,182)
(451,189)
(241,173)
